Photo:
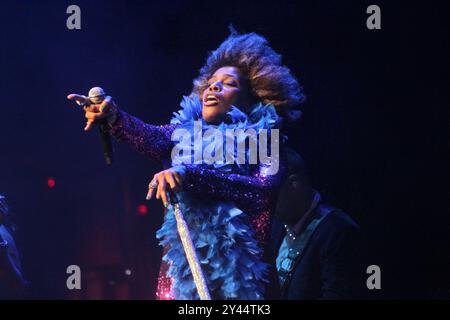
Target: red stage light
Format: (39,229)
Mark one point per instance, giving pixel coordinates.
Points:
(51,183)
(142,209)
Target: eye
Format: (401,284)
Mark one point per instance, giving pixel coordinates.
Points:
(232,84)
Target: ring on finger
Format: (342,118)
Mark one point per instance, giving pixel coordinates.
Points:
(153,184)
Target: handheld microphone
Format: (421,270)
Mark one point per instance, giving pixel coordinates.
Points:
(96,96)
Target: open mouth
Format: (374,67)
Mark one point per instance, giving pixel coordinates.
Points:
(210,100)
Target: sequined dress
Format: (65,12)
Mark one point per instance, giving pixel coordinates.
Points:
(229,214)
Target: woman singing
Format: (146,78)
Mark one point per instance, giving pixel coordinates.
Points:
(228,207)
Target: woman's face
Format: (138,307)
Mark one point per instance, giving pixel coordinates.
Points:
(226,88)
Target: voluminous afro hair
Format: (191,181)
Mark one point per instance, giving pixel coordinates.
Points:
(270,81)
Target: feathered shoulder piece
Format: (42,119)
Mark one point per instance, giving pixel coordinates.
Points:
(261,116)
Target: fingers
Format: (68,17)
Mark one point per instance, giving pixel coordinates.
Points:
(167,183)
(106,104)
(174,180)
(151,193)
(158,187)
(93,112)
(89,125)
(80,99)
(151,188)
(91,118)
(92,108)
(94,115)
(178,179)
(161,193)
(171,181)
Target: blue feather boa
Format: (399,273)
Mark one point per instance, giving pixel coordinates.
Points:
(228,252)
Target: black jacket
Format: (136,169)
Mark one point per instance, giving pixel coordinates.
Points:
(331,264)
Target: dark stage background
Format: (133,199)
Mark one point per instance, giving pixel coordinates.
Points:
(374,129)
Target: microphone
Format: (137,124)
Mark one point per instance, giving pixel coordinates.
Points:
(96,96)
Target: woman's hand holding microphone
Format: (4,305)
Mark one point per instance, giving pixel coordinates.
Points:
(97,106)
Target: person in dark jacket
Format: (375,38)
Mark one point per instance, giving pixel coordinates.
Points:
(318,247)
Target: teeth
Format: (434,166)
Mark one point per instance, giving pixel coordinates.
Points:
(210,102)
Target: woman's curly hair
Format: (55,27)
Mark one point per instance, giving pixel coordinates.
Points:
(270,81)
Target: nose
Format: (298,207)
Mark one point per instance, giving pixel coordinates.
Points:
(215,86)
